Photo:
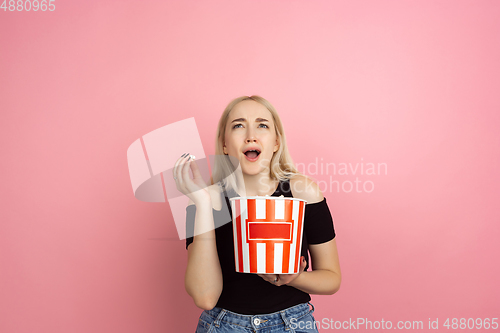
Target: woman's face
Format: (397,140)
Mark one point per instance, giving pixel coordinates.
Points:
(250,126)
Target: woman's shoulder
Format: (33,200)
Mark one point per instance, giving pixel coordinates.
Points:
(303,187)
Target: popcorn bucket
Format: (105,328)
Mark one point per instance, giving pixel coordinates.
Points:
(267,234)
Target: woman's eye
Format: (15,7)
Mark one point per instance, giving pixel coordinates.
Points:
(235,126)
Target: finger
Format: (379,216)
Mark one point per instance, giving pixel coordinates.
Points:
(174,171)
(177,164)
(185,168)
(268,277)
(195,169)
(181,167)
(303,264)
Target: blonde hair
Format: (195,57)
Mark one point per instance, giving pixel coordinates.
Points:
(281,166)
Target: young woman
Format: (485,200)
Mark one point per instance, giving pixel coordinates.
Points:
(250,136)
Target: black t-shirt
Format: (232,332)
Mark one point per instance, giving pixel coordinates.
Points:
(248,293)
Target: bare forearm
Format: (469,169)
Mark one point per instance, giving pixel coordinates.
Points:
(317,282)
(203,278)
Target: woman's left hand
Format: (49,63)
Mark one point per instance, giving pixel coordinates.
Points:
(282,279)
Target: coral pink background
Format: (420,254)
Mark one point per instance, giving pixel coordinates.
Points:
(408,83)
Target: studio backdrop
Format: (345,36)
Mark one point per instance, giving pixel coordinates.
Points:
(390,106)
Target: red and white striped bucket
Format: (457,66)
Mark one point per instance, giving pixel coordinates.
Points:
(267,234)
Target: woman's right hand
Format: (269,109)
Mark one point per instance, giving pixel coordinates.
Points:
(195,189)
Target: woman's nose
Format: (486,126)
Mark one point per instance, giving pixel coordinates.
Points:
(251,136)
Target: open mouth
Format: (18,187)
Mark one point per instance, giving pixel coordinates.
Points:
(252,153)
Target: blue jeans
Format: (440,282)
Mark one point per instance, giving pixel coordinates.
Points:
(296,319)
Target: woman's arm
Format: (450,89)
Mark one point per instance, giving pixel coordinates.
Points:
(203,279)
(325,277)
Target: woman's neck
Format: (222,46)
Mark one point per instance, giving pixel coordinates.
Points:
(259,185)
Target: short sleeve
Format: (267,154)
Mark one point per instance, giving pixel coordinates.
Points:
(318,223)
(190,216)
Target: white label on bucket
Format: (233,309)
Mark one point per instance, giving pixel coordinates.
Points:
(278,256)
(279,209)
(261,253)
(285,234)
(260,207)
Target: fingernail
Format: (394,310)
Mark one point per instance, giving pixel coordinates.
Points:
(183,155)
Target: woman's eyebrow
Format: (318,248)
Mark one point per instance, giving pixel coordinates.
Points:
(260,120)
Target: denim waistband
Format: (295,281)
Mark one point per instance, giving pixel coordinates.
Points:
(218,315)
